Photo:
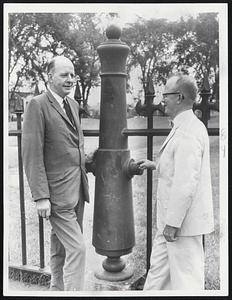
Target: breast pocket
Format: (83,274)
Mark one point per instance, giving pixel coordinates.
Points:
(64,188)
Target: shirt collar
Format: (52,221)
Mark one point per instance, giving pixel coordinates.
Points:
(182,117)
(57,97)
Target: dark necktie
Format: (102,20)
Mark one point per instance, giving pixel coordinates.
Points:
(68,111)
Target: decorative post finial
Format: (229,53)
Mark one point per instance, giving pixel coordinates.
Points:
(113,32)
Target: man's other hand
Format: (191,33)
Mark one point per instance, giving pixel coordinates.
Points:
(146,164)
(43,207)
(90,162)
(170,233)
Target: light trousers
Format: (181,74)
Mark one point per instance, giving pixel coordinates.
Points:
(177,265)
(67,255)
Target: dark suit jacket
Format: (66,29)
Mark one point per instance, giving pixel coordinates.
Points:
(53,152)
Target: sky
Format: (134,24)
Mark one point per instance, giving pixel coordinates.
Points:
(127,12)
(171,12)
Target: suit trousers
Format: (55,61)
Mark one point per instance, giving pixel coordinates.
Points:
(177,265)
(67,254)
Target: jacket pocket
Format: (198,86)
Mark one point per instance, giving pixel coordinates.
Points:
(55,176)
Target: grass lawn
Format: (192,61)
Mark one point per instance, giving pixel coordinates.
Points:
(137,258)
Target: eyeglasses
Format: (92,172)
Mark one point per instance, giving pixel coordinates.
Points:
(172,93)
(167,94)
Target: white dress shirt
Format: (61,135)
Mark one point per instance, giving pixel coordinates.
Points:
(58,98)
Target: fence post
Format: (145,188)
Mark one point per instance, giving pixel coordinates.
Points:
(41,242)
(148,109)
(21,190)
(149,95)
(202,109)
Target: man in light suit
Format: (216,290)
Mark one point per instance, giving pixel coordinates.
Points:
(184,195)
(54,162)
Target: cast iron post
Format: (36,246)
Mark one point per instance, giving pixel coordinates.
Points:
(147,109)
(18,109)
(113,225)
(202,109)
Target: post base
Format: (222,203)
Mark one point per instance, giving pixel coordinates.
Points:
(115,276)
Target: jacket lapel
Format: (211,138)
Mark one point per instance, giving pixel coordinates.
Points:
(170,135)
(184,123)
(58,108)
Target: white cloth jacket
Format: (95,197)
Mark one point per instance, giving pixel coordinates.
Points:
(184,193)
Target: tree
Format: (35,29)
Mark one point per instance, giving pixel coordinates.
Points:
(29,46)
(81,47)
(159,47)
(197,45)
(150,49)
(34,38)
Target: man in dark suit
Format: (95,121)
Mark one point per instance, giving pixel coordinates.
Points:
(54,162)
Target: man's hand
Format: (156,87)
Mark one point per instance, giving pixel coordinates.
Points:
(146,164)
(43,207)
(90,162)
(170,233)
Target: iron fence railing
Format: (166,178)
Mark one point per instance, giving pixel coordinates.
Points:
(149,133)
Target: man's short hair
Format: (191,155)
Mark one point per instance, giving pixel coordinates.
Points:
(51,65)
(187,85)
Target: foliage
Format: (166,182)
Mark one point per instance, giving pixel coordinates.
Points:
(149,42)
(79,42)
(35,38)
(197,45)
(26,51)
(159,47)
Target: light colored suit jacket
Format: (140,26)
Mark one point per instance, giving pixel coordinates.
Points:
(53,152)
(184,193)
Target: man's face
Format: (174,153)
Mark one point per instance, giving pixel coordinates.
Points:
(171,97)
(62,78)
